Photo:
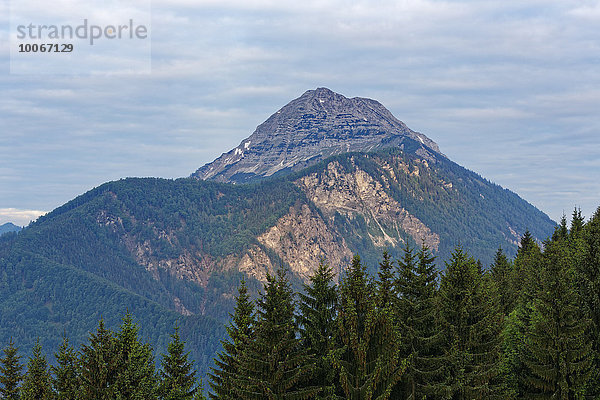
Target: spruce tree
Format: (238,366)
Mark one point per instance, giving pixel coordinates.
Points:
(385,284)
(317,322)
(135,379)
(368,358)
(421,336)
(65,380)
(405,287)
(98,365)
(502,273)
(36,384)
(588,276)
(223,377)
(558,351)
(274,365)
(471,327)
(177,377)
(561,231)
(525,276)
(511,368)
(527,243)
(577,223)
(524,286)
(10,372)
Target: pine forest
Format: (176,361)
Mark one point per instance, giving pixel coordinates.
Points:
(521,328)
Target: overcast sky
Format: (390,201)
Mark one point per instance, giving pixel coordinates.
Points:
(508,89)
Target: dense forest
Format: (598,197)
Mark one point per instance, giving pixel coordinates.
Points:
(112,365)
(526,328)
(173,250)
(522,328)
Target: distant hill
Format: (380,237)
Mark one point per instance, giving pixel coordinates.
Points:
(9,227)
(324,186)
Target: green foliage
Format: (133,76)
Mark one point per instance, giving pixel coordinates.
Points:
(93,256)
(177,377)
(368,354)
(416,288)
(99,363)
(502,275)
(10,372)
(558,353)
(110,366)
(227,370)
(65,381)
(457,204)
(397,337)
(41,297)
(587,263)
(274,366)
(317,320)
(471,326)
(510,367)
(36,384)
(135,378)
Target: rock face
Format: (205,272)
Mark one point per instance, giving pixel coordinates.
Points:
(302,239)
(318,124)
(358,194)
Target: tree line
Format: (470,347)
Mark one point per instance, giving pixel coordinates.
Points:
(110,366)
(523,328)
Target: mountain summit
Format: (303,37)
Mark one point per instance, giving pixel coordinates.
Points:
(317,125)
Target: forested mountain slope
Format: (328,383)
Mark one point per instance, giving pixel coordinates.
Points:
(172,250)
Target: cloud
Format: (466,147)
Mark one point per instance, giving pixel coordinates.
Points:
(19,217)
(508,89)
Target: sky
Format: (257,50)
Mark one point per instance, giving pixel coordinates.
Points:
(508,89)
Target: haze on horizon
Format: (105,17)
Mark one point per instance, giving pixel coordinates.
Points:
(510,90)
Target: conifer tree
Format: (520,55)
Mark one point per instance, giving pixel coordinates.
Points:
(274,365)
(527,243)
(577,223)
(368,359)
(98,365)
(405,286)
(524,286)
(10,372)
(318,308)
(561,231)
(385,283)
(526,267)
(36,384)
(511,368)
(558,352)
(421,336)
(65,380)
(177,377)
(502,273)
(224,377)
(588,276)
(471,329)
(135,378)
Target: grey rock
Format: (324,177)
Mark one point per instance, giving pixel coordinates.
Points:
(317,125)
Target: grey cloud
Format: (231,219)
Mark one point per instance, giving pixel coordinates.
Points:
(506,89)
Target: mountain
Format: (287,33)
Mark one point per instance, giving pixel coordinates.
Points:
(175,250)
(317,125)
(395,184)
(9,227)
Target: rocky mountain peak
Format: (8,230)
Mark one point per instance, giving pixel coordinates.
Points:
(316,125)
